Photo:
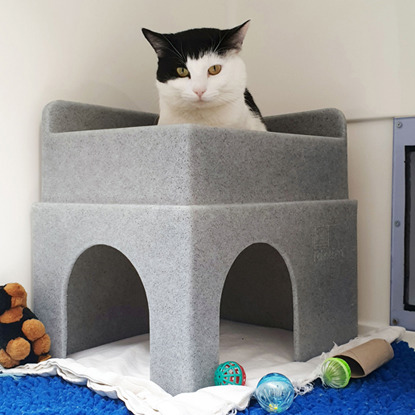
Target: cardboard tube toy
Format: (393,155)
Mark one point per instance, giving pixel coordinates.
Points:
(367,357)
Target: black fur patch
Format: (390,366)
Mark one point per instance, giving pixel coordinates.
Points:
(173,49)
(249,101)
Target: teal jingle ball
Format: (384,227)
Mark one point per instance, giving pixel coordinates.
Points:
(230,373)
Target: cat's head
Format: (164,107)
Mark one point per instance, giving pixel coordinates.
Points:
(200,67)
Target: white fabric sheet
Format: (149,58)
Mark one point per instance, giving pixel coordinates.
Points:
(121,370)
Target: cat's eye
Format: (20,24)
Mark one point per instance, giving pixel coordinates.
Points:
(182,72)
(215,69)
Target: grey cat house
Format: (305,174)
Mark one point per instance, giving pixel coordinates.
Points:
(167,229)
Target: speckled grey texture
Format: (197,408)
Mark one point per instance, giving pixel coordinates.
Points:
(180,204)
(188,164)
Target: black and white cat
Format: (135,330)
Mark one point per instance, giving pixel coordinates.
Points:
(201,78)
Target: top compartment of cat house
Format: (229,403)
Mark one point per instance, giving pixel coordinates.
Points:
(95,154)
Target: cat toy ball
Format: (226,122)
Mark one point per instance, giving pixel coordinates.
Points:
(230,373)
(335,372)
(275,393)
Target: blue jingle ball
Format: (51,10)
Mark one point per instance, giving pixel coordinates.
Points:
(275,393)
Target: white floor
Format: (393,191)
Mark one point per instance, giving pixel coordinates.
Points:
(260,350)
(409,337)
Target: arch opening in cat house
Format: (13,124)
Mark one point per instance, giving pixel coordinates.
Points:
(106,299)
(257,301)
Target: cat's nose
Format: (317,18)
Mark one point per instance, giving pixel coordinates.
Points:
(199,92)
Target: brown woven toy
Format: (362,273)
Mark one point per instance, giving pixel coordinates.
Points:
(23,337)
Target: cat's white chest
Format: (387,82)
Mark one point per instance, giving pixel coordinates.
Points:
(235,115)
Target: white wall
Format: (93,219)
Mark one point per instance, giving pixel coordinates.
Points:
(370,183)
(356,55)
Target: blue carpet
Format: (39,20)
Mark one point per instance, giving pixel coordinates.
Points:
(389,390)
(37,395)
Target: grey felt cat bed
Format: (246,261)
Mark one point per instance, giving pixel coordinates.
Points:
(168,228)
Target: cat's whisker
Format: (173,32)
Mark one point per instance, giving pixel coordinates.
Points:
(174,48)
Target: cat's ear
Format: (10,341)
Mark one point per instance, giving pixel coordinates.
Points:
(235,37)
(156,40)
